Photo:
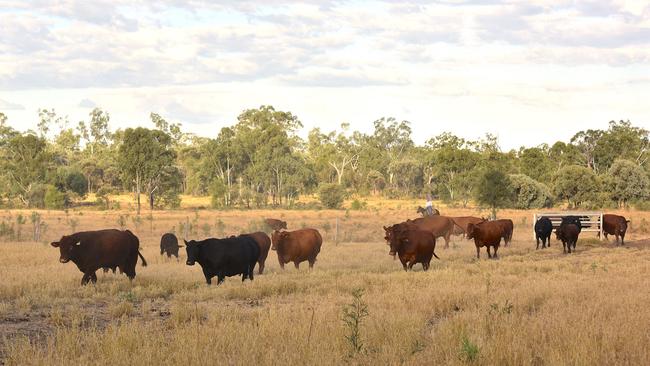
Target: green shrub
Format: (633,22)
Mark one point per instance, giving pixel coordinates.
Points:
(36,196)
(76,182)
(102,197)
(217,193)
(331,195)
(358,205)
(529,193)
(170,199)
(54,199)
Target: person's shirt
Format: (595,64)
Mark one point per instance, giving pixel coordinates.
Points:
(429,204)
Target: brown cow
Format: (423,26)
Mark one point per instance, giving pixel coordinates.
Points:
(508,227)
(461,222)
(412,246)
(276,224)
(440,226)
(486,234)
(92,250)
(615,225)
(297,246)
(264,242)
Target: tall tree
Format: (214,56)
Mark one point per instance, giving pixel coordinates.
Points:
(391,141)
(26,162)
(336,150)
(146,157)
(628,182)
(493,190)
(575,184)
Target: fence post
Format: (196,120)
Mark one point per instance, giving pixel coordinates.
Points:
(600,224)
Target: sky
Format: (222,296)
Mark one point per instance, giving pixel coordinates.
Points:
(529,72)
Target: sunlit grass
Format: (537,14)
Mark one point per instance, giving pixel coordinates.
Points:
(531,307)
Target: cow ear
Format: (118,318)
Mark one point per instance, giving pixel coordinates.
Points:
(385,228)
(185,241)
(55,244)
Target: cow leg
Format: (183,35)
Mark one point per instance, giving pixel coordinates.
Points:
(93,277)
(622,239)
(447,237)
(537,242)
(84,279)
(260,268)
(478,252)
(220,280)
(311,263)
(495,252)
(251,272)
(297,264)
(487,248)
(404,262)
(208,276)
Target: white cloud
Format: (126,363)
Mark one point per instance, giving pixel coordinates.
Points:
(468,66)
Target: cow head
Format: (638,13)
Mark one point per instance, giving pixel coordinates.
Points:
(192,248)
(277,238)
(396,236)
(471,230)
(388,233)
(67,246)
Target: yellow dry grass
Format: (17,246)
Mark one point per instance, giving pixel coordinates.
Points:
(527,308)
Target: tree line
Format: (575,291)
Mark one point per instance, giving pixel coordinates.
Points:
(260,161)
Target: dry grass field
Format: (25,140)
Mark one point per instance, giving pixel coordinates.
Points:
(527,308)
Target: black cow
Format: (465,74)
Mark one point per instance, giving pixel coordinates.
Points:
(169,245)
(224,257)
(543,231)
(568,233)
(572,220)
(92,250)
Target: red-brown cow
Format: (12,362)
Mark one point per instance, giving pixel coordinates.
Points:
(615,225)
(440,226)
(297,246)
(461,223)
(92,250)
(276,224)
(264,242)
(412,246)
(486,234)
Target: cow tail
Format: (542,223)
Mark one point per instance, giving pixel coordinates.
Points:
(434,254)
(144,262)
(137,241)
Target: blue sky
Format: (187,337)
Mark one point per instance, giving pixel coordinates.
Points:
(530,72)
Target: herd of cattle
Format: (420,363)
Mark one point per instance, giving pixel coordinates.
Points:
(412,241)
